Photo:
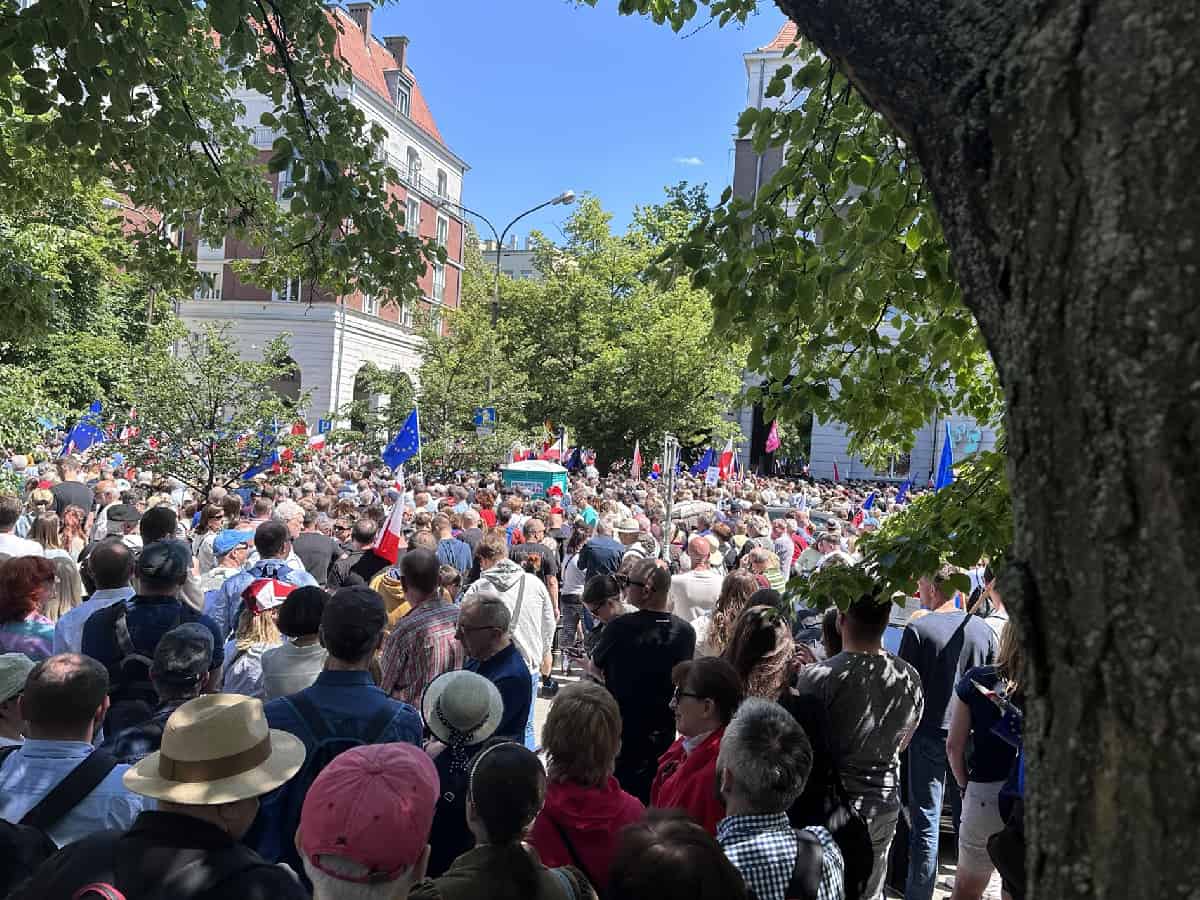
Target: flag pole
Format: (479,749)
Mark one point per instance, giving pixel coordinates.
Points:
(420,459)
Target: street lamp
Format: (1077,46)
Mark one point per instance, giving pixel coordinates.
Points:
(566,198)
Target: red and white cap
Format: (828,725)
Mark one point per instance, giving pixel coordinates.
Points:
(263,594)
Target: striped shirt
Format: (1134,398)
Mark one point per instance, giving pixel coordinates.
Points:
(420,648)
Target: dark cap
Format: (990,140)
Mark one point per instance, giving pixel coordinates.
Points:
(183,654)
(165,562)
(123,512)
(352,621)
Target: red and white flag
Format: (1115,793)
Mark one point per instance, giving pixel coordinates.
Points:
(131,430)
(387,541)
(635,470)
(316,442)
(725,465)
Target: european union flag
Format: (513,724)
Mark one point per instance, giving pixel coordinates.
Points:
(705,462)
(903,492)
(263,465)
(406,444)
(86,431)
(870,501)
(576,461)
(945,469)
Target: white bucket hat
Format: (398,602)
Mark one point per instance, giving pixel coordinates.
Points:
(14,670)
(462,708)
(217,749)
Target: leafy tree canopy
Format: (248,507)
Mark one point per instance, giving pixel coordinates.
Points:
(205,415)
(145,96)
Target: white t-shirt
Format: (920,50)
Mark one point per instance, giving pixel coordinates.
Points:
(694,594)
(19,546)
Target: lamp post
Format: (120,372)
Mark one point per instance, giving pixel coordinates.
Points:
(564,199)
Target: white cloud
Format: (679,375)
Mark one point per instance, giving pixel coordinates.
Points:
(689,161)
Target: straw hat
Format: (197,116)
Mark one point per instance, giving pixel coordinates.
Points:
(462,708)
(217,749)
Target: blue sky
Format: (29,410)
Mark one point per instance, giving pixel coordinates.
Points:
(541,95)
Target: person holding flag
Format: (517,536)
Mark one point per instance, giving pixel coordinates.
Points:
(635,468)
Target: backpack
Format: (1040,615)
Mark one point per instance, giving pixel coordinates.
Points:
(25,845)
(825,802)
(805,880)
(273,835)
(103,864)
(129,676)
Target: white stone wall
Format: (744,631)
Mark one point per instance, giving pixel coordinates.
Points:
(329,354)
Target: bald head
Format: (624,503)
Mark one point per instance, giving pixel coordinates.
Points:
(698,551)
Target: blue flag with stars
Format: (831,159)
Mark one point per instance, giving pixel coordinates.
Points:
(86,432)
(405,445)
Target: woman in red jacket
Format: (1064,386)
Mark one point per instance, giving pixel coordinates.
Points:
(585,807)
(707,692)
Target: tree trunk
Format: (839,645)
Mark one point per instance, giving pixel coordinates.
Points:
(1059,138)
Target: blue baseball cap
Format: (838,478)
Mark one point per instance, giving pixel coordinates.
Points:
(229,538)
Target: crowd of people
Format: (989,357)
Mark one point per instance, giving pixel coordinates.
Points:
(252,693)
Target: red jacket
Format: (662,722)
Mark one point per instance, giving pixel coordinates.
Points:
(689,781)
(592,818)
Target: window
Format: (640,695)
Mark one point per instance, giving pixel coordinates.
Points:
(412,216)
(402,100)
(286,180)
(414,166)
(443,183)
(210,284)
(443,230)
(370,304)
(406,314)
(290,293)
(435,319)
(897,467)
(439,282)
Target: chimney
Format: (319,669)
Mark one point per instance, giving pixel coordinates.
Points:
(398,47)
(361,14)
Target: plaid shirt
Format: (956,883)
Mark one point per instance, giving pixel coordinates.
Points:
(763,849)
(420,648)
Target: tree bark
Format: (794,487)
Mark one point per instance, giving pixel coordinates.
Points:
(1059,138)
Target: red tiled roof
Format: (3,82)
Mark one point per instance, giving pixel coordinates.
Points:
(781,41)
(369,60)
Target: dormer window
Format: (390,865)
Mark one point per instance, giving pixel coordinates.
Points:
(402,100)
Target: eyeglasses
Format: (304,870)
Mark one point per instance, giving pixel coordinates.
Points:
(625,581)
(461,630)
(680,692)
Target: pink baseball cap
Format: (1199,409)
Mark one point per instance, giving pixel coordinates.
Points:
(372,805)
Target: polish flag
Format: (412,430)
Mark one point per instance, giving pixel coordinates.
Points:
(725,466)
(316,442)
(387,541)
(635,470)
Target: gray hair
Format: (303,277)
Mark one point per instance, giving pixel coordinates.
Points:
(493,611)
(326,885)
(604,525)
(767,755)
(288,509)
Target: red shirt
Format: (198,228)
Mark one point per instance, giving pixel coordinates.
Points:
(489,517)
(688,781)
(591,818)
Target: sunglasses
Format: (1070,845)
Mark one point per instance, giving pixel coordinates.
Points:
(592,607)
(680,692)
(625,581)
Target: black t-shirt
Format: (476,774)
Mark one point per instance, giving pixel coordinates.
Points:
(317,552)
(357,568)
(636,652)
(72,493)
(539,559)
(941,647)
(991,757)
